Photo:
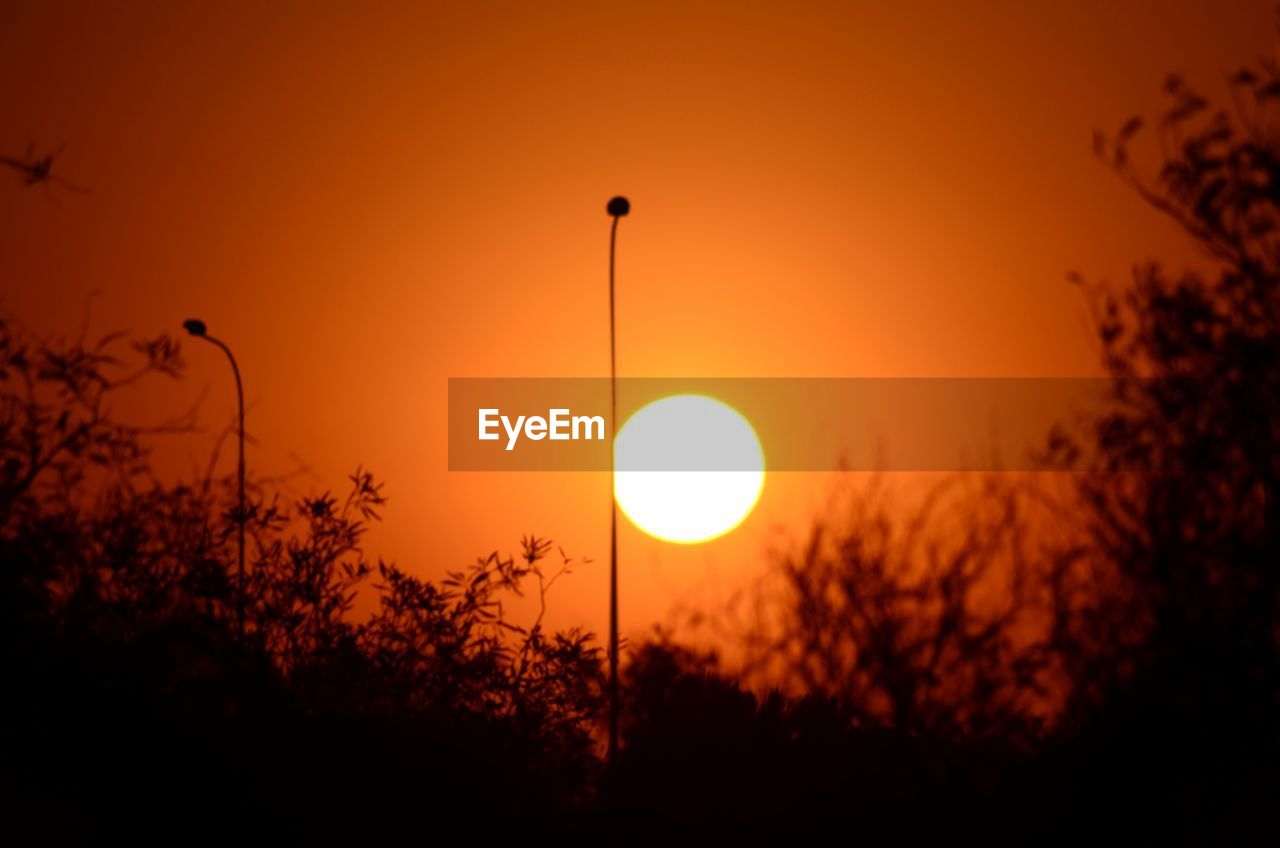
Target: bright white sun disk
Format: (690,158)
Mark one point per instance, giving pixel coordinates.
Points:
(688,468)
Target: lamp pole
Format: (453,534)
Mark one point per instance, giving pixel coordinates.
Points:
(617,208)
(197,329)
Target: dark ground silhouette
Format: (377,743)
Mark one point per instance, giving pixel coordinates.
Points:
(1127,685)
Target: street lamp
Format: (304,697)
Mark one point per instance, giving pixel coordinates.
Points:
(197,328)
(617,208)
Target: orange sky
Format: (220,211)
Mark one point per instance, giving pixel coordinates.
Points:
(367,199)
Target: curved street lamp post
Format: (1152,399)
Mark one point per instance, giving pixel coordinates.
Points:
(197,329)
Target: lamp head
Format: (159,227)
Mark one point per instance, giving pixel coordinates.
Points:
(194,327)
(618,206)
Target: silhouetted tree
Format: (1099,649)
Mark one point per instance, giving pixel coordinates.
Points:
(1166,616)
(1188,517)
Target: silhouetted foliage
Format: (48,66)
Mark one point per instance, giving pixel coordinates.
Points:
(1175,668)
(1196,404)
(123,655)
(926,625)
(709,759)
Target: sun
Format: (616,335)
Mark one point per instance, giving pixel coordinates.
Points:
(688,468)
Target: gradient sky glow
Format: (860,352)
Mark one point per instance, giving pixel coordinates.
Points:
(366,199)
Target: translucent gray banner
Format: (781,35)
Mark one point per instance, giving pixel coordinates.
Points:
(802,424)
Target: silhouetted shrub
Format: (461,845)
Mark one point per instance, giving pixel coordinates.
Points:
(131,683)
(931,624)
